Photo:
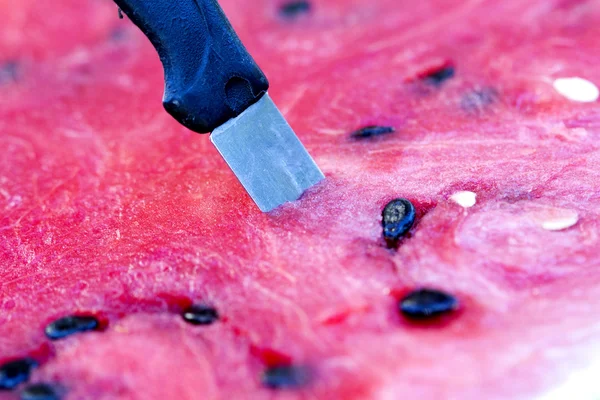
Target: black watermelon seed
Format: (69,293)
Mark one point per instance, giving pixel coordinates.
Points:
(9,72)
(39,391)
(441,75)
(398,217)
(476,101)
(67,326)
(371,131)
(284,376)
(200,315)
(427,303)
(15,372)
(118,34)
(294,8)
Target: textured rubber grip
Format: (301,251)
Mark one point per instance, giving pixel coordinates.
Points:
(209,75)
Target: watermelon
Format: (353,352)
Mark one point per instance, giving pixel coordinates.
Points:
(134,266)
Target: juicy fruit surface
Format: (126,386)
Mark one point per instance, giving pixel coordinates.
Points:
(111,208)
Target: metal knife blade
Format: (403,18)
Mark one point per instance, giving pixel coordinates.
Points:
(266,155)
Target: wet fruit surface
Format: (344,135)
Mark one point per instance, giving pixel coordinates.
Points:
(108,206)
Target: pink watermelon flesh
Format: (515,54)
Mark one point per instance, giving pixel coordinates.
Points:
(111,208)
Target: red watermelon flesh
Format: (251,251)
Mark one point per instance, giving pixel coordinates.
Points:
(109,207)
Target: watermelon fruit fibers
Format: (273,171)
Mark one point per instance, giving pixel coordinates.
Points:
(112,211)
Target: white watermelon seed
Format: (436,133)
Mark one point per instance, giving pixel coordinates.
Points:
(560,223)
(577,89)
(464,198)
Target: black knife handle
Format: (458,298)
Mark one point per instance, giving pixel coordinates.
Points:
(209,75)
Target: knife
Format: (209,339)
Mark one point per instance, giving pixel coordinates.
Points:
(212,84)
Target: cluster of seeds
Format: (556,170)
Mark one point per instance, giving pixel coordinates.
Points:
(16,372)
(398,217)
